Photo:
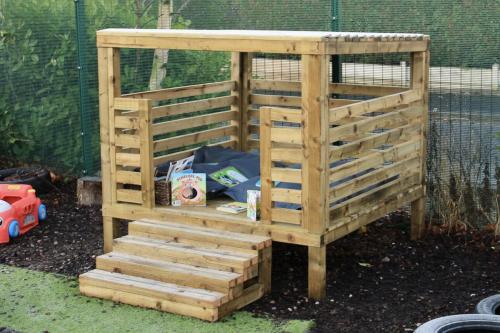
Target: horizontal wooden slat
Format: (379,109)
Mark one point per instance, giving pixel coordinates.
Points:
(376,158)
(284,114)
(128,177)
(286,175)
(127,195)
(127,140)
(192,138)
(131,104)
(286,195)
(376,104)
(335,88)
(193,106)
(277,100)
(364,90)
(185,153)
(191,122)
(126,122)
(402,168)
(357,203)
(185,91)
(278,85)
(127,159)
(291,216)
(286,135)
(344,225)
(372,141)
(386,120)
(287,155)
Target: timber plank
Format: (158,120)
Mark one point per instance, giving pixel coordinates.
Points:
(170,272)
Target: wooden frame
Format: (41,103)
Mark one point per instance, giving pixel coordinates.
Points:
(354,160)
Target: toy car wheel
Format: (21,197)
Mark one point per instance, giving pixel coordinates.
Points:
(42,212)
(14,229)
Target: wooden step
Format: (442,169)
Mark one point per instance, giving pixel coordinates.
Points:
(242,263)
(170,272)
(204,236)
(162,296)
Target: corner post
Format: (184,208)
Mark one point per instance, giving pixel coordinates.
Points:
(420,81)
(315,166)
(109,88)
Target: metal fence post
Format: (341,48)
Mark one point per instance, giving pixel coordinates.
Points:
(335,26)
(81,47)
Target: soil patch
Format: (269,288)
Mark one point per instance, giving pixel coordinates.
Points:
(377,282)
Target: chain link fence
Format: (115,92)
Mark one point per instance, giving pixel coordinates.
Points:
(48,87)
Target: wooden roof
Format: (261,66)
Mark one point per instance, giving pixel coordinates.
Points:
(273,41)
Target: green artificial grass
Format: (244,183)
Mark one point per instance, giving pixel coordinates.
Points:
(43,302)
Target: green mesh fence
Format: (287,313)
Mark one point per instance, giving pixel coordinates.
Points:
(48,79)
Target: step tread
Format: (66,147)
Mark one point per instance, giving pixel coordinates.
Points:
(238,258)
(198,232)
(229,278)
(153,288)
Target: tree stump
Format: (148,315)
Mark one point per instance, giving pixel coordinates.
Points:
(89,191)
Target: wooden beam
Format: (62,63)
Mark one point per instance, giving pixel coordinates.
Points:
(266,164)
(146,153)
(316,277)
(315,142)
(420,82)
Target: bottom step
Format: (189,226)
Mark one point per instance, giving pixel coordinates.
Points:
(199,303)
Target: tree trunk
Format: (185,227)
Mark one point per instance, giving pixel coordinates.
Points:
(160,59)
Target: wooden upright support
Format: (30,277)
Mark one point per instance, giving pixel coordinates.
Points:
(241,73)
(420,82)
(315,208)
(109,88)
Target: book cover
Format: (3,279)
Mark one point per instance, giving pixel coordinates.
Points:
(233,207)
(229,176)
(253,205)
(181,165)
(189,189)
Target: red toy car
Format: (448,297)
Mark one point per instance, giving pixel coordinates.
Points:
(20,210)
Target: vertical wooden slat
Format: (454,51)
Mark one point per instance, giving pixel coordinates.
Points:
(315,145)
(114,90)
(146,152)
(236,67)
(246,76)
(420,81)
(265,166)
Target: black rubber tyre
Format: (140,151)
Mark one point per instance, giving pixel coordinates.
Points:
(38,178)
(466,323)
(490,305)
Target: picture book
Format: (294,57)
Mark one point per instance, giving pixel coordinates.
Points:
(253,205)
(180,166)
(189,189)
(233,207)
(229,176)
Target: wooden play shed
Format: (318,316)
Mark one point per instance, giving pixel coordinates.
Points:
(357,151)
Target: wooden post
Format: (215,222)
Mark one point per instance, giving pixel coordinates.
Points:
(146,152)
(420,81)
(265,166)
(315,208)
(316,276)
(265,267)
(315,146)
(109,87)
(241,73)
